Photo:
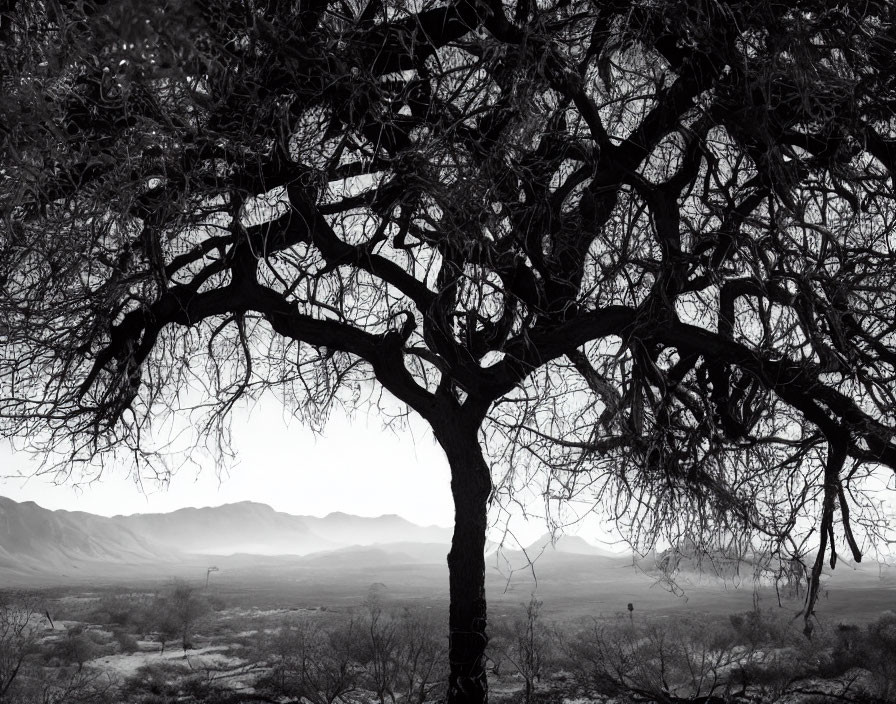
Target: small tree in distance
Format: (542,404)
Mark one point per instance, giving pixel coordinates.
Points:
(177,610)
(527,647)
(639,252)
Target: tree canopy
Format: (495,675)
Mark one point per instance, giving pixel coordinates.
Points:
(635,250)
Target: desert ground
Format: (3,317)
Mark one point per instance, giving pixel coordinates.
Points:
(289,631)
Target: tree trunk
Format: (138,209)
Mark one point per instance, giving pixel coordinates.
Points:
(470,487)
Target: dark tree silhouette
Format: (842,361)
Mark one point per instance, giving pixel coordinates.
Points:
(635,250)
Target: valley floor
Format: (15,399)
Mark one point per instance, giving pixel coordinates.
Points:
(180,642)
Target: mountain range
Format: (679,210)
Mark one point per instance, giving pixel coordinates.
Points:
(340,555)
(35,540)
(42,544)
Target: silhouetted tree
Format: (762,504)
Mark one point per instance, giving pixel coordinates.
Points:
(635,250)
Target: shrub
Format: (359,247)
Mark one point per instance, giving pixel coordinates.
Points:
(759,627)
(161,679)
(126,642)
(879,655)
(658,659)
(216,602)
(521,642)
(314,662)
(128,610)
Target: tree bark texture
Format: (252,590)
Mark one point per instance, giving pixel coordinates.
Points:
(470,487)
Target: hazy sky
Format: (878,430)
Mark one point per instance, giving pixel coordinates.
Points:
(356,467)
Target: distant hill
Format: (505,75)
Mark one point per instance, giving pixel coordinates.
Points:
(244,527)
(345,529)
(570,544)
(36,542)
(254,528)
(395,553)
(338,556)
(689,563)
(566,556)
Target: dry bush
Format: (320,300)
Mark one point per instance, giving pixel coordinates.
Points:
(155,683)
(313,661)
(402,652)
(878,656)
(657,660)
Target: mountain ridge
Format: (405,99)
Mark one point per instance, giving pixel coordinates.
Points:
(247,503)
(40,547)
(35,540)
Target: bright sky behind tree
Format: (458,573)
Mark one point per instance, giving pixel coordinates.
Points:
(356,466)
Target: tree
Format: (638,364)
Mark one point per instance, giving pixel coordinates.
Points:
(178,611)
(77,646)
(380,646)
(640,251)
(166,627)
(524,645)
